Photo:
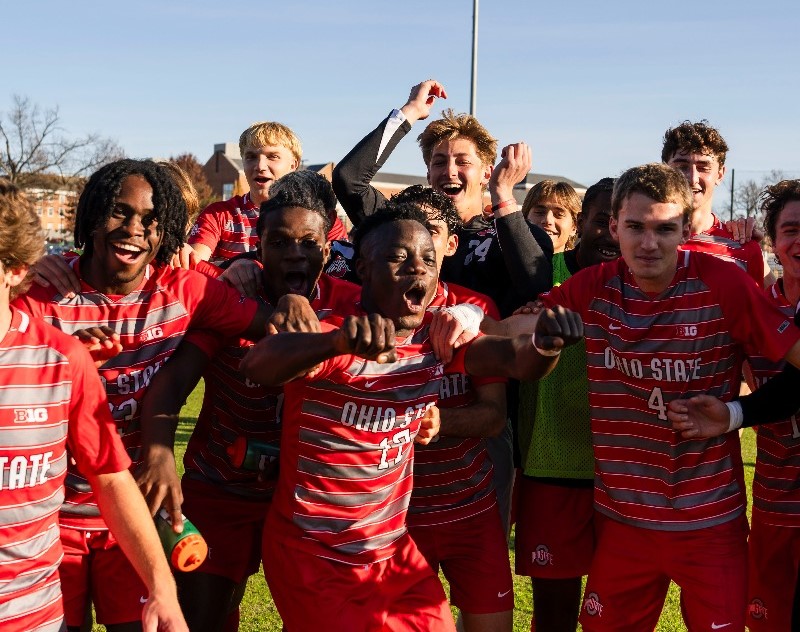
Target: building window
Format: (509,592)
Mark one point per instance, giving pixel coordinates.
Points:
(49,226)
(50,211)
(227,191)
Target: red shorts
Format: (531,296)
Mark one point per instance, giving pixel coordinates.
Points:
(632,568)
(555,535)
(774,554)
(473,554)
(400,594)
(95,570)
(231,525)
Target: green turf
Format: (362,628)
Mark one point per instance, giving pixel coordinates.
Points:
(258,612)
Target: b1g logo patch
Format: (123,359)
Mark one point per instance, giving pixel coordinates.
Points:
(687,331)
(29,415)
(592,605)
(542,556)
(757,609)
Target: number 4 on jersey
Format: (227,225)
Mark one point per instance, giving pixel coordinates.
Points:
(656,402)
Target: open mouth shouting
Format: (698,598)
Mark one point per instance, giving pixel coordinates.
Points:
(414,298)
(452,189)
(296,282)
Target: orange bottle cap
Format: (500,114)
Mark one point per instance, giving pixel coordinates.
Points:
(189,553)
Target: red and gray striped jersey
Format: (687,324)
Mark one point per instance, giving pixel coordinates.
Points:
(644,351)
(719,241)
(453,475)
(234,406)
(50,398)
(229,228)
(347,451)
(151,322)
(776,484)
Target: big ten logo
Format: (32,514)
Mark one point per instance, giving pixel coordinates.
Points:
(687,331)
(29,415)
(153,333)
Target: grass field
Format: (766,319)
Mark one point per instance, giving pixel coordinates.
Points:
(258,612)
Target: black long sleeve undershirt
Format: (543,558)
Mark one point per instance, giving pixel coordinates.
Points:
(777,400)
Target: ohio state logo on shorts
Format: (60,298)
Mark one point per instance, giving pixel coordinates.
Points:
(757,609)
(542,556)
(592,605)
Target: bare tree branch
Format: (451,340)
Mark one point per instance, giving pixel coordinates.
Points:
(34,143)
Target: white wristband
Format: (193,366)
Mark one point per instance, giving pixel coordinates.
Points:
(550,353)
(469,316)
(736,415)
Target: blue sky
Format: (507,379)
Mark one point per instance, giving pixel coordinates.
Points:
(591,86)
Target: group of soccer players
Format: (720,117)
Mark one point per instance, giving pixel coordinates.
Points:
(362,392)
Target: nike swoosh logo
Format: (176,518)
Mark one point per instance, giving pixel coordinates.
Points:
(614,327)
(501,595)
(370,383)
(714,626)
(142,599)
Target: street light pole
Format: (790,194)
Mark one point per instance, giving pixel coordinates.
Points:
(473,93)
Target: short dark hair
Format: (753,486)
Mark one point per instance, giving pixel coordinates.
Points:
(694,137)
(305,189)
(773,199)
(391,212)
(97,203)
(435,204)
(604,185)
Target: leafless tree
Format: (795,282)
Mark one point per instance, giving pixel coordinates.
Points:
(32,143)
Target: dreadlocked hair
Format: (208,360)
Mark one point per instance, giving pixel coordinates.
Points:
(435,204)
(391,212)
(305,189)
(97,203)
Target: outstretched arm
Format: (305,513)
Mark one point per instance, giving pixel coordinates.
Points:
(280,358)
(526,357)
(354,173)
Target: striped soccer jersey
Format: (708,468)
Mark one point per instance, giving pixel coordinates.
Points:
(229,228)
(719,241)
(234,406)
(453,475)
(151,321)
(49,398)
(347,451)
(642,352)
(776,492)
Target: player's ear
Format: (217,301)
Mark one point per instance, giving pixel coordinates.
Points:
(613,228)
(452,246)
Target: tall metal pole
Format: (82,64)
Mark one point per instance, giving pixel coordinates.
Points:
(733,176)
(473,93)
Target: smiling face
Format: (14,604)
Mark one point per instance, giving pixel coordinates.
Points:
(703,173)
(457,171)
(649,234)
(787,240)
(555,219)
(398,271)
(263,165)
(127,242)
(293,249)
(596,244)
